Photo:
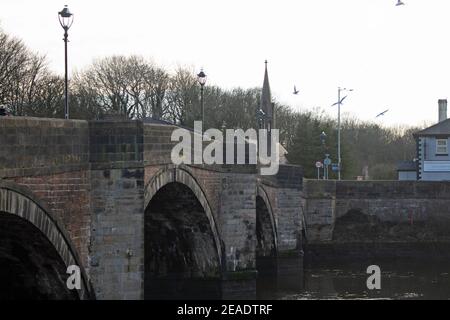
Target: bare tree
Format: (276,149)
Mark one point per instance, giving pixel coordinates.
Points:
(22,77)
(157,82)
(130,86)
(47,99)
(183,97)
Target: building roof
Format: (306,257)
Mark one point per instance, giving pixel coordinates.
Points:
(406,166)
(158,121)
(165,122)
(441,128)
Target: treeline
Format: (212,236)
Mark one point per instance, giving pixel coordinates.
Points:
(135,87)
(27,87)
(367,149)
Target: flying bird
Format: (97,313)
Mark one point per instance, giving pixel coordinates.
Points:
(382,113)
(339,102)
(295,90)
(399,3)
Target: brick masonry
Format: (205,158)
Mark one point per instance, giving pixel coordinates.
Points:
(35,146)
(19,201)
(93,178)
(51,158)
(68,197)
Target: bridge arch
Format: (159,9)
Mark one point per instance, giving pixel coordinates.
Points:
(32,238)
(354,224)
(182,241)
(266,227)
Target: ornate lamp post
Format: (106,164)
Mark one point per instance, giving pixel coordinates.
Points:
(201,78)
(66,20)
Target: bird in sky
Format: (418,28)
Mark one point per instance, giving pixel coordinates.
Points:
(399,3)
(382,113)
(295,90)
(339,102)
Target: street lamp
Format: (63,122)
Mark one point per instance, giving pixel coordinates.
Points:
(201,77)
(338,103)
(326,161)
(66,20)
(323,136)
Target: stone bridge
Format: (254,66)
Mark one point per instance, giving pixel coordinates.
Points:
(104,195)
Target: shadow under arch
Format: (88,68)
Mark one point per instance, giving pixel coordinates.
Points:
(266,246)
(354,225)
(266,227)
(182,241)
(20,210)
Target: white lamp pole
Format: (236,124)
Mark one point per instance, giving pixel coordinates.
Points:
(339,128)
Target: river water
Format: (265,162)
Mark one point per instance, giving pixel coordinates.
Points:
(400,279)
(418,271)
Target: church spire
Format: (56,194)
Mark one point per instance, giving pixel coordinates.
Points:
(266,101)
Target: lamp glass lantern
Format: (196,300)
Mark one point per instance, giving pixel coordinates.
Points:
(201,78)
(65,18)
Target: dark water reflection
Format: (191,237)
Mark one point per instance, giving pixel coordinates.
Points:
(400,279)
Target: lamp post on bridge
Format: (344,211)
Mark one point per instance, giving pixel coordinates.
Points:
(326,161)
(201,78)
(65,19)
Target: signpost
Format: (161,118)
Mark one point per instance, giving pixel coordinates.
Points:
(326,162)
(318,166)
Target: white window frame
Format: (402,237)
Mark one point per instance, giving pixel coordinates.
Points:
(442,148)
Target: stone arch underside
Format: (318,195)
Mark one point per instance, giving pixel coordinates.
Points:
(182,244)
(34,249)
(266,246)
(266,230)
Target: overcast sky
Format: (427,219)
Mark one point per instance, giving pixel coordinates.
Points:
(395,58)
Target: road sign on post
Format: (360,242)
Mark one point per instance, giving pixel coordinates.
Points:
(335,167)
(318,166)
(326,162)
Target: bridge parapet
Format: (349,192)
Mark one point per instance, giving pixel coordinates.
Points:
(392,202)
(392,189)
(288,176)
(116,144)
(38,146)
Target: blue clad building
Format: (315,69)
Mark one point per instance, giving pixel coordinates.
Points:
(433,159)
